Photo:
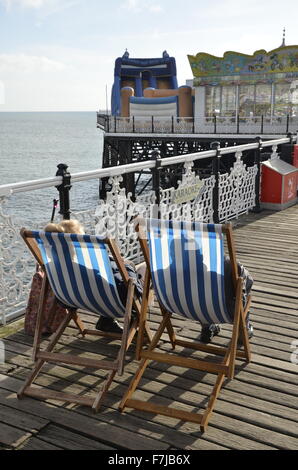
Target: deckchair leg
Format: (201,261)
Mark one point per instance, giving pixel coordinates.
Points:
(243,330)
(79,324)
(40,316)
(40,362)
(169,327)
(127,318)
(214,395)
(125,343)
(143,314)
(236,327)
(99,399)
(144,363)
(215,392)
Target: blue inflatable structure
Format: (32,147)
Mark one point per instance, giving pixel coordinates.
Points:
(159,73)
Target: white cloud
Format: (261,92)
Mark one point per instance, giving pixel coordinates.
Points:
(55,79)
(2,93)
(138,6)
(47,7)
(27,64)
(24,3)
(155,8)
(131,4)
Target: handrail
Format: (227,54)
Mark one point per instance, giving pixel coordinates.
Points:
(13,188)
(8,189)
(169,125)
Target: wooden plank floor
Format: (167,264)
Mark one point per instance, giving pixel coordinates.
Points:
(257,410)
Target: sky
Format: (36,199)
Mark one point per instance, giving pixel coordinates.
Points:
(59,55)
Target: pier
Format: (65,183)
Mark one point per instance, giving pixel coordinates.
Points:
(135,139)
(256,411)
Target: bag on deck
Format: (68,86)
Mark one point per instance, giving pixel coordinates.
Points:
(52,308)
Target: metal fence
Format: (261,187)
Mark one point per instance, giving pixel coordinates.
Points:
(217,197)
(269,125)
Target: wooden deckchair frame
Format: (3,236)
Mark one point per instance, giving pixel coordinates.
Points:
(224,369)
(41,357)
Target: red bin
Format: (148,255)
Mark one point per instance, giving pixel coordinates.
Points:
(295,156)
(278,185)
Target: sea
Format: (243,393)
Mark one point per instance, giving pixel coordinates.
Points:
(32,144)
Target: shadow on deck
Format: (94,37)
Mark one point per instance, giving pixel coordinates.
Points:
(257,410)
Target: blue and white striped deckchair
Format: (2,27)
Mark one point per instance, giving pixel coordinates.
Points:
(187,269)
(185,262)
(78,269)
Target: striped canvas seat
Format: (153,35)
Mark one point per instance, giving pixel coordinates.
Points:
(185,264)
(78,268)
(187,269)
(79,271)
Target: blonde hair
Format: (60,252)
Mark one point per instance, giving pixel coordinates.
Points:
(51,227)
(72,226)
(65,226)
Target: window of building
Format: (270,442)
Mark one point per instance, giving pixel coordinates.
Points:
(228,101)
(263,100)
(212,100)
(294,98)
(246,100)
(286,99)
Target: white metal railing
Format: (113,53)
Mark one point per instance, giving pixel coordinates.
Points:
(208,125)
(192,199)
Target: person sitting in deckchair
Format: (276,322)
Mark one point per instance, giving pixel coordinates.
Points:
(106,324)
(210,330)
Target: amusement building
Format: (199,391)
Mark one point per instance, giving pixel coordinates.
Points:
(234,89)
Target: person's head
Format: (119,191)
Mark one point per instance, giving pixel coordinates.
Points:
(65,226)
(51,227)
(72,226)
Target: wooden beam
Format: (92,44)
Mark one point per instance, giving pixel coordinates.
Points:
(164,410)
(79,361)
(61,396)
(207,348)
(186,362)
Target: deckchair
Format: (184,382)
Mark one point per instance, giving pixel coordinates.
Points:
(185,262)
(78,269)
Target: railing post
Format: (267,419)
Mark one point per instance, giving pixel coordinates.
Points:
(172,124)
(214,117)
(216,173)
(108,124)
(133,125)
(115,122)
(290,136)
(262,124)
(152,124)
(238,123)
(193,125)
(288,122)
(64,189)
(155,155)
(257,161)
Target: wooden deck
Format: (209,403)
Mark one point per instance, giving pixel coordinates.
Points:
(257,410)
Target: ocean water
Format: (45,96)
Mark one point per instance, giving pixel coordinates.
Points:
(31,147)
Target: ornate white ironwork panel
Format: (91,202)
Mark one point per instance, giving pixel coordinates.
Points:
(115,215)
(237,190)
(192,200)
(16,266)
